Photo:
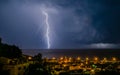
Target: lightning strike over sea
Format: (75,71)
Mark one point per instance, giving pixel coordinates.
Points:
(47,29)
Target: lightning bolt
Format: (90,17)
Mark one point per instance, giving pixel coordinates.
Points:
(47,29)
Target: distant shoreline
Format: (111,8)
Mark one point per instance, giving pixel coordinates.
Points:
(73,52)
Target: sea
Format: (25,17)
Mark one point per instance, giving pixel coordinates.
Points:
(83,53)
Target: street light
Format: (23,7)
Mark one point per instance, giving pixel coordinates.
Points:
(104,59)
(87,58)
(70,59)
(29,58)
(61,58)
(96,58)
(53,58)
(78,58)
(113,58)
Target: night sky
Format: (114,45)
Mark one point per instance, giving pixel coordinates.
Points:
(73,24)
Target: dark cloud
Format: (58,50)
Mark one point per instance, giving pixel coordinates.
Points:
(73,23)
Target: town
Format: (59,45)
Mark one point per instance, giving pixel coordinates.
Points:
(61,66)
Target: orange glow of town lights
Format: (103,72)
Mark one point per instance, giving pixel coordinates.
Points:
(114,59)
(61,58)
(87,58)
(53,58)
(78,58)
(96,58)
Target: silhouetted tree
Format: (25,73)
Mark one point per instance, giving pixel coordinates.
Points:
(0,40)
(9,51)
(38,57)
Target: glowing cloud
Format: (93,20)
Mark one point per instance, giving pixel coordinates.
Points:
(103,45)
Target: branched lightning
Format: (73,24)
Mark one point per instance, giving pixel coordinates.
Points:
(47,29)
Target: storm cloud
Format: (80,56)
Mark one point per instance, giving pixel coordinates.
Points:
(73,23)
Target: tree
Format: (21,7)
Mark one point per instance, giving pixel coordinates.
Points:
(10,51)
(0,40)
(38,57)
